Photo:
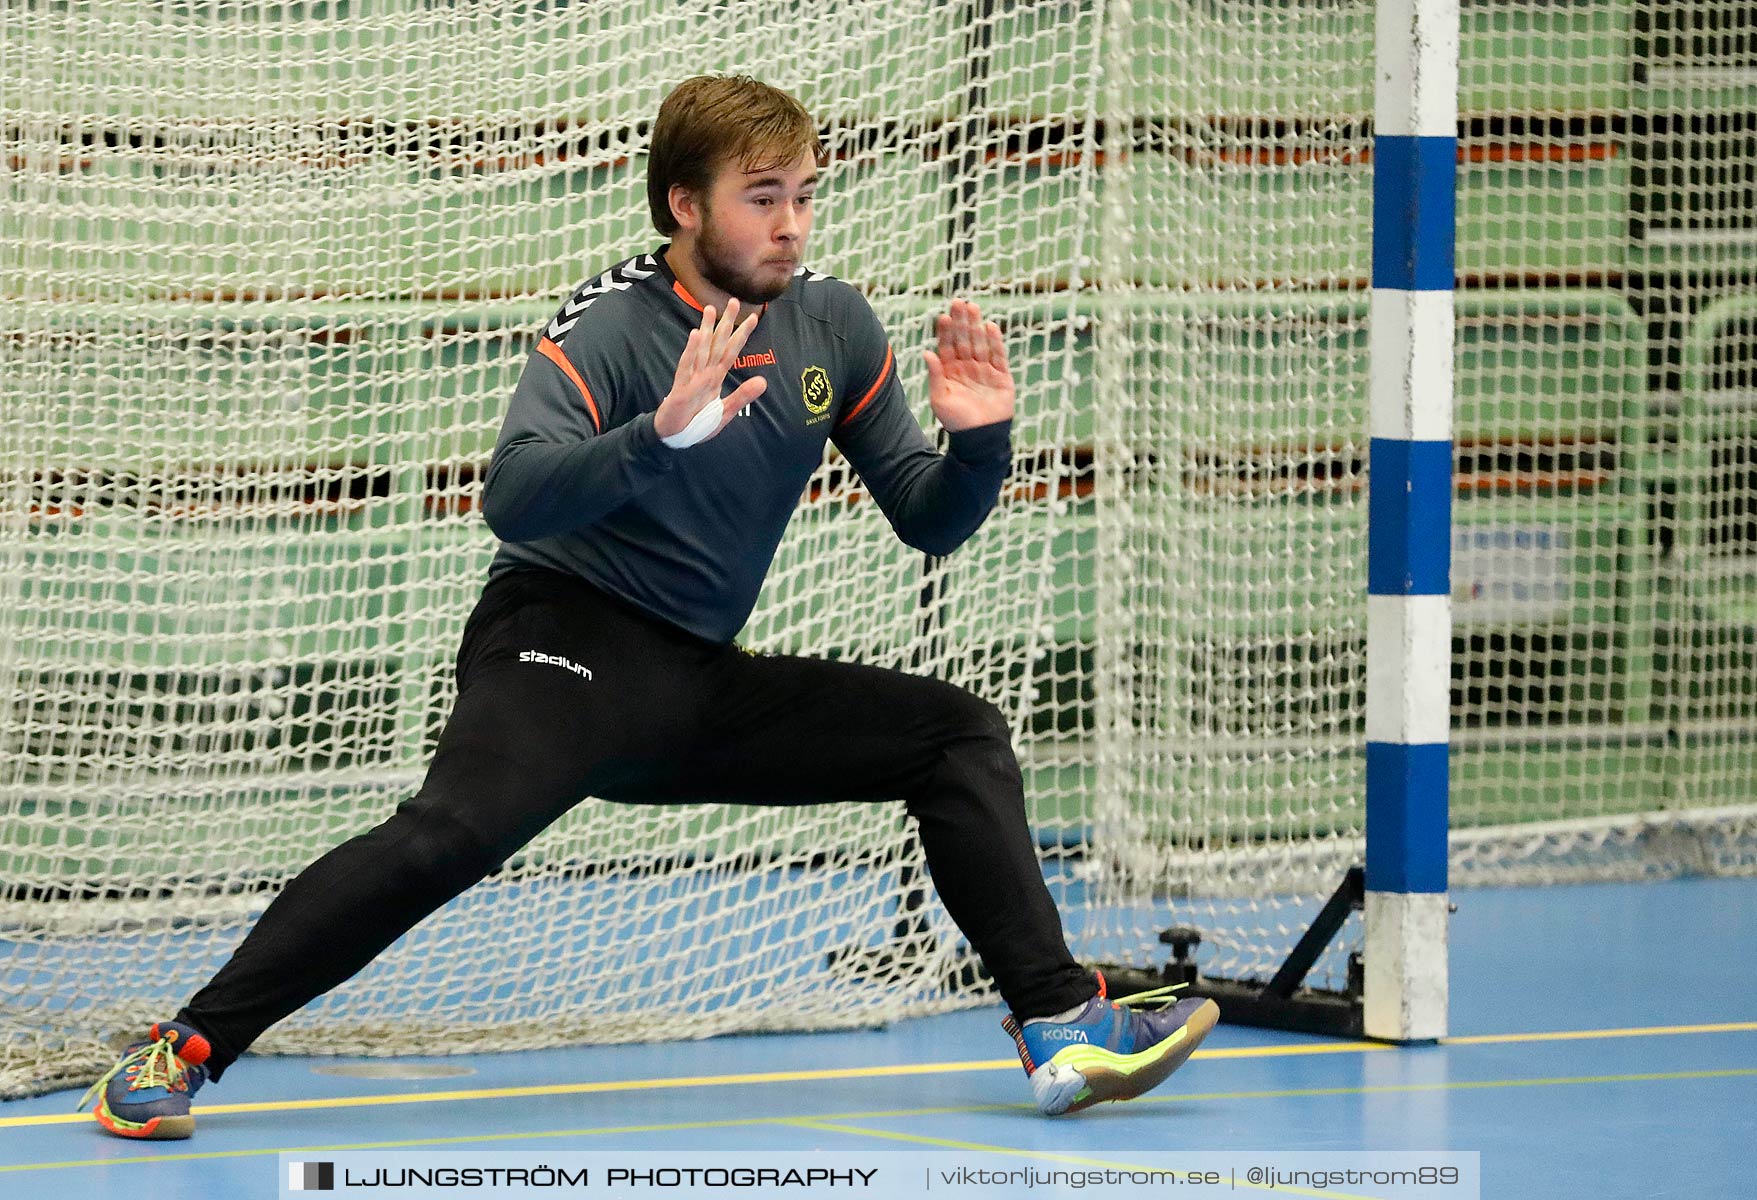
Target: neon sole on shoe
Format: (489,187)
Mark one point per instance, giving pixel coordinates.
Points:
(1080,1076)
(157,1129)
(146,1094)
(1108,1050)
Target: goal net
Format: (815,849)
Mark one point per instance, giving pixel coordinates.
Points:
(269,270)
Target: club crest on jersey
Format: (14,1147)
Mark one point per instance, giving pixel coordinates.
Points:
(814,386)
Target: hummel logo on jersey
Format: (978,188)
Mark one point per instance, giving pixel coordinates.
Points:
(765,359)
(619,278)
(1058,1034)
(556,660)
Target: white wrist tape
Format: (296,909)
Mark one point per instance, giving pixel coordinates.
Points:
(700,428)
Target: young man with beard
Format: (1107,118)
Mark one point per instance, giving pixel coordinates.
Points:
(652,454)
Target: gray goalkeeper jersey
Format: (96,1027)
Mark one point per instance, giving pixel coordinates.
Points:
(580,482)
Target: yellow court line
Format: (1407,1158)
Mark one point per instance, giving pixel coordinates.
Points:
(1458,1085)
(1291,1050)
(566,1089)
(1574,1035)
(477,1139)
(838,1073)
(1046,1155)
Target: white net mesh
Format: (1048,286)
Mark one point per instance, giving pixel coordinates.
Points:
(268,272)
(1604,648)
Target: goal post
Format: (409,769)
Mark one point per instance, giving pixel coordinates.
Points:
(1409,614)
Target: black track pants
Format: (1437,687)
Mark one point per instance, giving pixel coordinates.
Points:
(664,716)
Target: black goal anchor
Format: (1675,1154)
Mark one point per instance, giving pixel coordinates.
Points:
(1281,1003)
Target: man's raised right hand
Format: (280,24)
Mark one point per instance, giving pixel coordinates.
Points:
(694,411)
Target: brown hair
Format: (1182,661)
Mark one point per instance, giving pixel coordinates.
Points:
(715,119)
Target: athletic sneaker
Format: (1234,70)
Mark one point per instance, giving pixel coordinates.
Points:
(1108,1050)
(146,1095)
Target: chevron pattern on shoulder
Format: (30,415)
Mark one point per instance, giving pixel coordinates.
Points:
(619,278)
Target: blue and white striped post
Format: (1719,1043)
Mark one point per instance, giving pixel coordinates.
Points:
(1409,615)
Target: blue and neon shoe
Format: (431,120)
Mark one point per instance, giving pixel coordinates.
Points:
(1109,1051)
(146,1095)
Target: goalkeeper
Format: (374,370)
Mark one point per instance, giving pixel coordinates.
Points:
(654,449)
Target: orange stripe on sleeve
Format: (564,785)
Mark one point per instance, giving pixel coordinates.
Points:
(556,355)
(884,374)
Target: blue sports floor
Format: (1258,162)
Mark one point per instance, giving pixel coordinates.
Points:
(1604,1045)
